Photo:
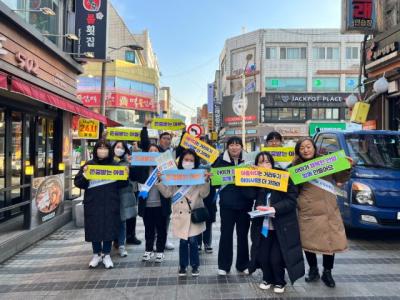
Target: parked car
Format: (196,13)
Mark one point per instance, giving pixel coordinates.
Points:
(371,198)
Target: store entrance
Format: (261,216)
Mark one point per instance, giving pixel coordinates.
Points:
(394,113)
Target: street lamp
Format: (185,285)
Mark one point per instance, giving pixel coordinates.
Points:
(86,54)
(69,36)
(44,10)
(248,58)
(103,75)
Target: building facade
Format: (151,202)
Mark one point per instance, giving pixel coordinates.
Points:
(293,76)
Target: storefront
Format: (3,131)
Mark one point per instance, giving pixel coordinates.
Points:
(383,59)
(37,102)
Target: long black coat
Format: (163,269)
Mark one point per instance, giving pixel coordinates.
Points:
(286,226)
(101,208)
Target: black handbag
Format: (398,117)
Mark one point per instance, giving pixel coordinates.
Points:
(198,215)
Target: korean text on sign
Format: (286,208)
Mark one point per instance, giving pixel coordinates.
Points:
(88,129)
(183,177)
(319,167)
(98,172)
(144,158)
(167,124)
(123,134)
(223,176)
(201,148)
(261,177)
(280,154)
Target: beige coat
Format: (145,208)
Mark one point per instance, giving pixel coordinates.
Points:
(320,222)
(182,226)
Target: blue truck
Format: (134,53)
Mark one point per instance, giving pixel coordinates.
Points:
(371,198)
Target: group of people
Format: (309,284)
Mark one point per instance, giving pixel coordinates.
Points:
(305,217)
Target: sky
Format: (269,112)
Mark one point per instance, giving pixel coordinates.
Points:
(188,35)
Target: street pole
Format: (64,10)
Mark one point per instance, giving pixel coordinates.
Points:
(243,109)
(103,88)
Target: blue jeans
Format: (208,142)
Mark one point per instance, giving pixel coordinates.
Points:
(188,248)
(206,236)
(122,234)
(102,247)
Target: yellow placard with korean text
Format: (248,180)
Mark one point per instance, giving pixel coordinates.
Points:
(99,172)
(167,124)
(202,149)
(88,129)
(123,134)
(280,154)
(261,177)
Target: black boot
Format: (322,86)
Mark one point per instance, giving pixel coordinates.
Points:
(313,274)
(328,279)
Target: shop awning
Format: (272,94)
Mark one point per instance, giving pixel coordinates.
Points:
(22,87)
(3,81)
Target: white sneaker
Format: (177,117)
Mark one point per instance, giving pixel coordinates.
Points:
(265,285)
(222,272)
(279,289)
(159,257)
(244,272)
(122,251)
(108,264)
(169,246)
(147,256)
(96,259)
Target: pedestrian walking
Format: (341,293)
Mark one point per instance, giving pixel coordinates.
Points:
(101,206)
(183,225)
(234,208)
(321,226)
(128,202)
(276,239)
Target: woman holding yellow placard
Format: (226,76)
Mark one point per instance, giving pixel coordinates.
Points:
(321,226)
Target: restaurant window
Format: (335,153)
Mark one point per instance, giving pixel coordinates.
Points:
(286,84)
(284,114)
(325,114)
(331,84)
(352,52)
(293,53)
(270,53)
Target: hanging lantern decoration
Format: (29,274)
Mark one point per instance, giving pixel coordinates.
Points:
(381,85)
(351,101)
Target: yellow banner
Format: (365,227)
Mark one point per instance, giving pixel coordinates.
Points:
(201,148)
(280,154)
(123,134)
(167,124)
(261,177)
(98,172)
(88,129)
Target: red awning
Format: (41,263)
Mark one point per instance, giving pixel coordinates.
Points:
(112,123)
(3,81)
(22,87)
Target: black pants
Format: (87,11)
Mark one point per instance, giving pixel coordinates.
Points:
(327,260)
(154,221)
(230,218)
(130,228)
(206,237)
(271,260)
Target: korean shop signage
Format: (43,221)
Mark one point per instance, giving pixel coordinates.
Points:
(91,27)
(376,51)
(360,16)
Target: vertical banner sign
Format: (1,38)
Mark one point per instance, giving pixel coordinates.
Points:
(280,154)
(88,129)
(123,134)
(217,116)
(319,167)
(261,177)
(210,98)
(167,124)
(91,27)
(202,149)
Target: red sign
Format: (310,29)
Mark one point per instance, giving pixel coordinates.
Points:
(195,130)
(239,119)
(118,100)
(92,5)
(369,125)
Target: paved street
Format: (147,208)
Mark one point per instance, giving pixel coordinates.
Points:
(56,267)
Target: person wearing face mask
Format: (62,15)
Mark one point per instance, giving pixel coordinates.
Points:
(234,208)
(182,225)
(155,210)
(321,226)
(275,240)
(101,206)
(128,203)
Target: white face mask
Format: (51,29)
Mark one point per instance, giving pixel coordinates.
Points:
(188,165)
(102,153)
(119,152)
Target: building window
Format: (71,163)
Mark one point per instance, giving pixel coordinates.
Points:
(331,84)
(293,53)
(325,114)
(347,113)
(352,52)
(351,83)
(286,84)
(326,53)
(319,53)
(332,53)
(285,114)
(130,56)
(270,53)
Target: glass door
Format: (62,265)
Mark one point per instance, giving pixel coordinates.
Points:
(2,160)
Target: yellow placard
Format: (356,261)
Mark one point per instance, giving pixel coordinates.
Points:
(88,129)
(123,134)
(280,154)
(360,112)
(98,172)
(202,149)
(167,124)
(261,177)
